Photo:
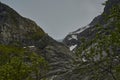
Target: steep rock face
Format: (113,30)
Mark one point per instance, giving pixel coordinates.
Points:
(72,40)
(16,30)
(88,32)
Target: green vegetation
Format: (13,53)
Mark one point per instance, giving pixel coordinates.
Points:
(37,35)
(20,64)
(100,58)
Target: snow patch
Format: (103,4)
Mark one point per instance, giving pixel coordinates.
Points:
(70,33)
(82,29)
(73,47)
(69,38)
(24,47)
(84,60)
(29,47)
(74,37)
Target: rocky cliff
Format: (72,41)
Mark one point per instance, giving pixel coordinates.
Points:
(73,39)
(97,46)
(91,62)
(22,32)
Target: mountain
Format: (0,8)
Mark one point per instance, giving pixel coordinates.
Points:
(73,39)
(97,47)
(21,32)
(28,53)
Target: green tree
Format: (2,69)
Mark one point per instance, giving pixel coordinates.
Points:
(20,64)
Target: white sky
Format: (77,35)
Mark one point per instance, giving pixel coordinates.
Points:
(58,17)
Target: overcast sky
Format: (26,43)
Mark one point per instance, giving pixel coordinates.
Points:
(58,17)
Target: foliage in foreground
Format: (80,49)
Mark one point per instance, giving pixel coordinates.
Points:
(20,64)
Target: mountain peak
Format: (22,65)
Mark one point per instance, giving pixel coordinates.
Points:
(88,32)
(15,28)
